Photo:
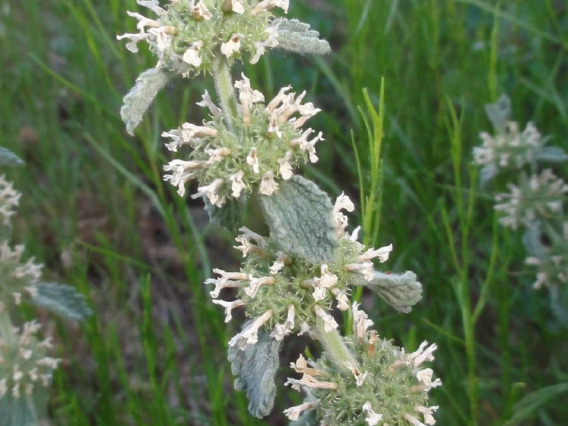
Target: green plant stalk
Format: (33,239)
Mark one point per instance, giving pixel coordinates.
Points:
(335,347)
(7,329)
(224,89)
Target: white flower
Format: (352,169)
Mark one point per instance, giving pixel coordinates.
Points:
(269,5)
(192,55)
(382,253)
(211,191)
(237,184)
(427,413)
(285,168)
(372,418)
(268,185)
(329,323)
(199,11)
(232,46)
(260,46)
(361,322)
(226,280)
(282,330)
(206,102)
(247,97)
(359,377)
(252,160)
(423,353)
(234,6)
(425,376)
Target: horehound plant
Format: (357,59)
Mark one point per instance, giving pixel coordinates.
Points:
(26,367)
(247,149)
(536,198)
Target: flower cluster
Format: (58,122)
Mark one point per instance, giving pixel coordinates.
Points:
(511,149)
(264,144)
(18,277)
(188,35)
(9,199)
(383,386)
(537,197)
(286,294)
(24,363)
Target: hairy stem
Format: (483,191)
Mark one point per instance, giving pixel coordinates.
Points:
(335,347)
(224,88)
(7,329)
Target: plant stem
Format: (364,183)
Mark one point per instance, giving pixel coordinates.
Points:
(224,88)
(6,329)
(335,347)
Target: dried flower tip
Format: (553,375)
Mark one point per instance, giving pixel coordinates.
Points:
(249,335)
(256,283)
(359,377)
(211,191)
(251,242)
(293,413)
(282,330)
(229,306)
(382,253)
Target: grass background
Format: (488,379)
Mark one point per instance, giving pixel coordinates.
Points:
(96,211)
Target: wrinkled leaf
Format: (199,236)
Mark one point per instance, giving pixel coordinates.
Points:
(401,291)
(62,300)
(255,368)
(299,216)
(528,406)
(228,216)
(9,159)
(137,101)
(298,37)
(499,113)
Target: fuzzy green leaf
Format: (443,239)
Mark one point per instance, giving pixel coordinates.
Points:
(137,101)
(299,216)
(62,300)
(401,291)
(298,37)
(8,158)
(255,368)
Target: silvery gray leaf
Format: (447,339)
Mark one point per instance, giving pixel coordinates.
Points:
(487,173)
(296,36)
(62,300)
(552,154)
(401,291)
(299,216)
(137,101)
(532,240)
(255,368)
(499,113)
(8,158)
